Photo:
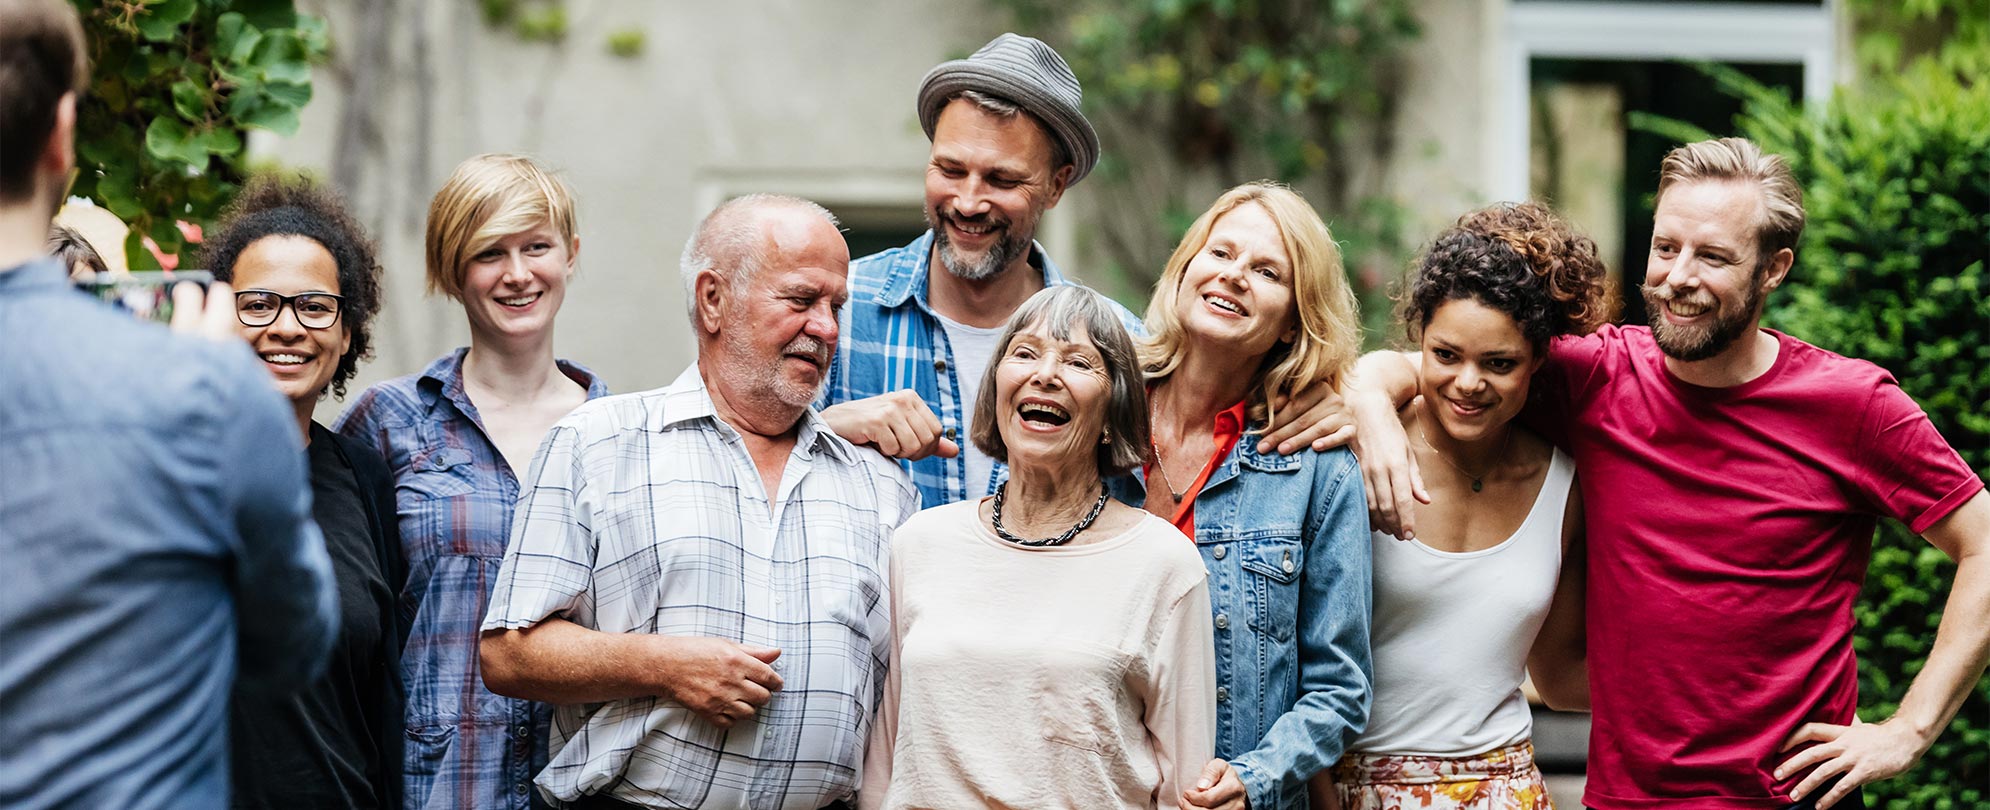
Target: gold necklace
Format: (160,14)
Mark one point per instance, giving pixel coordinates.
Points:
(1479,480)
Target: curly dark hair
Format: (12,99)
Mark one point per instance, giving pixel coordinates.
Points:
(1521,259)
(274,205)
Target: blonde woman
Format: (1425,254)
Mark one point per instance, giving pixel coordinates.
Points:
(1252,307)
(502,242)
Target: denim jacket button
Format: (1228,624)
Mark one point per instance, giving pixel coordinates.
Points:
(1288,566)
(1223,694)
(1220,551)
(1222,621)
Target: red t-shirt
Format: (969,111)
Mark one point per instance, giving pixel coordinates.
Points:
(1728,531)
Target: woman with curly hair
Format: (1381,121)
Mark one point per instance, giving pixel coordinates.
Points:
(1489,587)
(307,288)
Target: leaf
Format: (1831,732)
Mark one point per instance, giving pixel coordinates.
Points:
(1672,129)
(161,21)
(276,117)
(295,95)
(221,141)
(268,14)
(168,139)
(281,57)
(190,101)
(136,255)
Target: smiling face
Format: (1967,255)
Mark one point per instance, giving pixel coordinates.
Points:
(513,288)
(987,184)
(303,361)
(1705,279)
(778,330)
(1236,293)
(1476,368)
(1053,396)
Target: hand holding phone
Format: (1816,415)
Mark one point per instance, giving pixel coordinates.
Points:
(214,318)
(188,301)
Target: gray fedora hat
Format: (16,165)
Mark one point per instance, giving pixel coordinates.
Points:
(1025,71)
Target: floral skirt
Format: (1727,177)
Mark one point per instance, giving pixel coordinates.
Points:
(1500,779)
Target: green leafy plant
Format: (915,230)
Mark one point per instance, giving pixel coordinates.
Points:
(1204,94)
(1895,268)
(175,85)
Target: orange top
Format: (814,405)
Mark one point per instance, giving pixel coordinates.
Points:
(1229,429)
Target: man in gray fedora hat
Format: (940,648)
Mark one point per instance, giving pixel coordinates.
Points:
(1008,140)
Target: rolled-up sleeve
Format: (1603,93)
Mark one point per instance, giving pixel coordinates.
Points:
(549,562)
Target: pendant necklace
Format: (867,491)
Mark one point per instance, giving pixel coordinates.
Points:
(1162,465)
(1478,480)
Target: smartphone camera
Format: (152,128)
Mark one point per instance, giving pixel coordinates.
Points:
(146,295)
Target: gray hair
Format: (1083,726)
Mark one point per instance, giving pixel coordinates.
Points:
(729,240)
(1061,309)
(1003,108)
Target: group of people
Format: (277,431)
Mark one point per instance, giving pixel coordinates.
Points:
(939,527)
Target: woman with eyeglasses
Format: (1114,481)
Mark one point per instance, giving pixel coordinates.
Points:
(502,242)
(307,288)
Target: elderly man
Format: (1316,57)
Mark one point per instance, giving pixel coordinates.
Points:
(1008,141)
(696,574)
(1732,477)
(154,515)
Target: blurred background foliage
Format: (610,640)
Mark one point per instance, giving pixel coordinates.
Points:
(1895,268)
(175,87)
(1226,91)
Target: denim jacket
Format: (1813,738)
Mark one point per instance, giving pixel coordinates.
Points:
(1286,542)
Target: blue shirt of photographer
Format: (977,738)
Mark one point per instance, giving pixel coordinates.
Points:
(155,523)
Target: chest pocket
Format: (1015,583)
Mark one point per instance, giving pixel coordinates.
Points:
(444,473)
(1271,568)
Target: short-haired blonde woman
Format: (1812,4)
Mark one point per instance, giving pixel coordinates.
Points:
(1050,645)
(502,242)
(1253,306)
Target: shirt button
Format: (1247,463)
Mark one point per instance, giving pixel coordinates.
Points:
(1222,621)
(940,366)
(1223,694)
(1220,551)
(950,433)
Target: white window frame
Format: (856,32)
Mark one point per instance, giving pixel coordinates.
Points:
(1643,31)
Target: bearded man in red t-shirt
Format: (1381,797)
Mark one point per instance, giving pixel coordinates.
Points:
(1732,477)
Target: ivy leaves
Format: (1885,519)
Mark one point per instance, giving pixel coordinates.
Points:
(176,86)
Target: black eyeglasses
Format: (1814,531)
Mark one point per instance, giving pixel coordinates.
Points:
(313,310)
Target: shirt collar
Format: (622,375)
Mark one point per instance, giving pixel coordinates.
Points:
(443,380)
(42,274)
(908,277)
(687,399)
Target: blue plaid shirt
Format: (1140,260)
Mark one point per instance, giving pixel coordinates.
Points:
(466,747)
(892,340)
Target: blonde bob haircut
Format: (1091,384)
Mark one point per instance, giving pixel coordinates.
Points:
(488,198)
(1328,338)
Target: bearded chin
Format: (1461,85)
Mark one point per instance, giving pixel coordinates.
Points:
(1689,344)
(975,269)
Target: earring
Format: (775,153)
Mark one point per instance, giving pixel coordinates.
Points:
(1106,438)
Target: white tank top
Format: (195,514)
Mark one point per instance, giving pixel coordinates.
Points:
(1452,630)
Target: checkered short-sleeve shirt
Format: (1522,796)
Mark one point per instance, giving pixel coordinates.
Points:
(644,514)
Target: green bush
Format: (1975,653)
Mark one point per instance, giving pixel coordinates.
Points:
(175,86)
(1895,268)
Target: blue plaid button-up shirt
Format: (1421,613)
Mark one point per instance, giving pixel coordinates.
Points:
(892,340)
(466,747)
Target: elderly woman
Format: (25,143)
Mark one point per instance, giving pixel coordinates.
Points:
(1050,646)
(502,243)
(1253,306)
(307,288)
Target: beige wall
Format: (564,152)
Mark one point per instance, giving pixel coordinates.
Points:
(813,98)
